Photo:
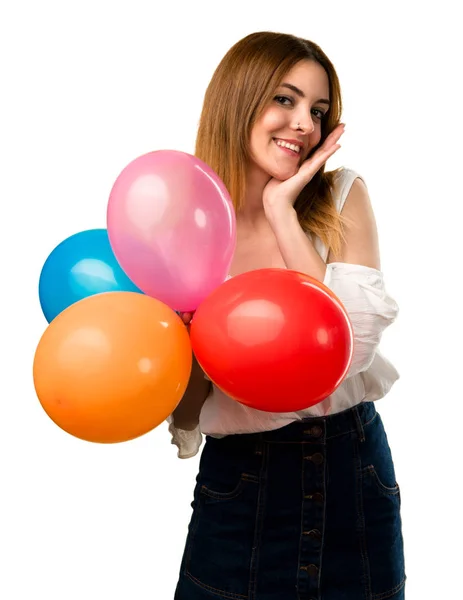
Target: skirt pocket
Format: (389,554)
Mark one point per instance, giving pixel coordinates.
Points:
(220,546)
(383,542)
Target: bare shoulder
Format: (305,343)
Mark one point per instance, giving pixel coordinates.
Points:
(361,245)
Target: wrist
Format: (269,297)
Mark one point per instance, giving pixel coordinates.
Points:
(282,213)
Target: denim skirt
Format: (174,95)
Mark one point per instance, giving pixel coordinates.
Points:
(310,511)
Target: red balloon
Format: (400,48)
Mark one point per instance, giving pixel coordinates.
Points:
(273,339)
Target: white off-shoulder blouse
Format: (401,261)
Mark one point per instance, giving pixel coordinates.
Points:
(371,310)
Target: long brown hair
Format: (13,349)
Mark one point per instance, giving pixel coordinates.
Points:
(241,88)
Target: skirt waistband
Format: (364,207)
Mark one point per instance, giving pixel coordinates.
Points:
(324,428)
(319,429)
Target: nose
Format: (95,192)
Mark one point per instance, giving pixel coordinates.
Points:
(305,124)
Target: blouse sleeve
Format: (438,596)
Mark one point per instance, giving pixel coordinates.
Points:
(370,308)
(187,442)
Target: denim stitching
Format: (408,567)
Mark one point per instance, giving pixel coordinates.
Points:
(302,522)
(259,522)
(383,489)
(198,582)
(361,523)
(192,536)
(390,593)
(358,422)
(328,437)
(221,593)
(225,495)
(360,472)
(229,495)
(359,477)
(325,476)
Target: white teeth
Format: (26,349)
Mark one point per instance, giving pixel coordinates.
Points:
(292,147)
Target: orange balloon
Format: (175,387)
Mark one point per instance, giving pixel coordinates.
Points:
(112,366)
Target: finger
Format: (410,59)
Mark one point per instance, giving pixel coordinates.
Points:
(326,154)
(188,317)
(328,144)
(312,165)
(334,136)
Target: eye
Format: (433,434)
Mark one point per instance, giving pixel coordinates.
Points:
(284,100)
(320,115)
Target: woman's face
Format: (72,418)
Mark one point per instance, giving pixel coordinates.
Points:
(301,98)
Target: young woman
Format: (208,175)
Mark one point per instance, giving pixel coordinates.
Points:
(305,505)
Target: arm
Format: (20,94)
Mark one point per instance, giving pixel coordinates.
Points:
(361,245)
(186,415)
(355,278)
(297,251)
(361,238)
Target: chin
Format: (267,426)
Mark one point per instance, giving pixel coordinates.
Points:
(268,169)
(283,174)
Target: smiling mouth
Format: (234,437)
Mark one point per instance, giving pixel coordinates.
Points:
(290,149)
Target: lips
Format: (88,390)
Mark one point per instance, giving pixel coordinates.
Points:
(289,147)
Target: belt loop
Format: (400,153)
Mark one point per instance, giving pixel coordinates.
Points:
(359,425)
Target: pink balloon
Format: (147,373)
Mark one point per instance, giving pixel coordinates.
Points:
(172,227)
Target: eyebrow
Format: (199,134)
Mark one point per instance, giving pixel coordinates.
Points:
(300,93)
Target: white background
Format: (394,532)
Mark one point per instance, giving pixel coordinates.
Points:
(88,86)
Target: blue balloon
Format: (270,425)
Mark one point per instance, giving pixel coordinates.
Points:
(80,266)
